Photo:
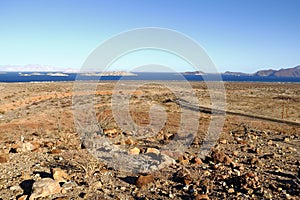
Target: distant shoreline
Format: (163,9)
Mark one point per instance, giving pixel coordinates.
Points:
(141,76)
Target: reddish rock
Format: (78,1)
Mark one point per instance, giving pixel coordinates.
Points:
(197,161)
(144,180)
(25,175)
(227,160)
(55,151)
(23,197)
(48,144)
(129,141)
(183,160)
(187,180)
(215,167)
(253,161)
(220,157)
(241,142)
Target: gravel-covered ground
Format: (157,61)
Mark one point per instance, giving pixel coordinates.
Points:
(42,155)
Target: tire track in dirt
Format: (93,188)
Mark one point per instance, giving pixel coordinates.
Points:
(228,112)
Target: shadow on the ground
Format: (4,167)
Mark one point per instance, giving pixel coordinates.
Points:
(27,186)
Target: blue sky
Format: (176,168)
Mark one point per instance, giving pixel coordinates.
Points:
(237,35)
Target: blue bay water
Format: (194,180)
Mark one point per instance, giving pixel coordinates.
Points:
(15,77)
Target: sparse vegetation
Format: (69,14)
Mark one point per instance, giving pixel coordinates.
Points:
(253,158)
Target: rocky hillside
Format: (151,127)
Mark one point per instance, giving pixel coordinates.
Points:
(236,73)
(289,72)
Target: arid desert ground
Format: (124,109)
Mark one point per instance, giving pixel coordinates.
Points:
(256,155)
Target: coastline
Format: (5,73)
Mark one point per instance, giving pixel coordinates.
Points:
(58,77)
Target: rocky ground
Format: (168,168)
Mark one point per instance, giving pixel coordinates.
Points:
(42,155)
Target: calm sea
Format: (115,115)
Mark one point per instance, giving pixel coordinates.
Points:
(16,77)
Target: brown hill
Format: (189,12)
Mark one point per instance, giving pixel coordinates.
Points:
(289,72)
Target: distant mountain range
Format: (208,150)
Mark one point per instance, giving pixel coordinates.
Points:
(30,68)
(288,72)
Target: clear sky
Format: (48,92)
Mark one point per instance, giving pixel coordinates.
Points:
(238,35)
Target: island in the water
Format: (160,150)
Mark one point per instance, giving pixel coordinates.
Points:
(109,73)
(284,72)
(194,73)
(43,74)
(288,72)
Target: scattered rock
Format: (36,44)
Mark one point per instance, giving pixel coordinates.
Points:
(15,188)
(286,139)
(230,191)
(207,173)
(253,160)
(197,161)
(55,151)
(96,185)
(23,197)
(238,173)
(166,161)
(69,185)
(144,180)
(258,151)
(223,141)
(134,151)
(184,160)
(292,149)
(29,146)
(187,180)
(25,175)
(169,136)
(110,132)
(60,175)
(153,150)
(216,166)
(270,142)
(48,144)
(235,153)
(240,141)
(44,188)
(129,141)
(227,160)
(220,157)
(264,164)
(122,188)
